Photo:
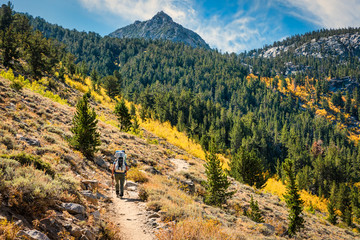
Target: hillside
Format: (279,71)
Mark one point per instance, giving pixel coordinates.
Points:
(39,128)
(161,26)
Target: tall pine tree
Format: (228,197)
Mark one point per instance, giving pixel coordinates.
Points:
(86,138)
(123,115)
(247,167)
(292,199)
(331,206)
(217,181)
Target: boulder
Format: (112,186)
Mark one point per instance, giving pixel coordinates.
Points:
(102,197)
(130,184)
(101,162)
(75,231)
(30,141)
(154,215)
(32,234)
(133,189)
(89,234)
(73,208)
(267,229)
(51,226)
(90,196)
(89,184)
(96,215)
(189,186)
(152,170)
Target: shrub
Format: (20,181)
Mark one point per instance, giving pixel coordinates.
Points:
(8,230)
(27,159)
(109,231)
(143,195)
(49,139)
(8,142)
(17,85)
(137,176)
(30,190)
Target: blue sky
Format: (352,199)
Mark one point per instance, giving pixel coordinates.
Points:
(230,26)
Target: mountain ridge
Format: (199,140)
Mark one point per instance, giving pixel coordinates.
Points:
(161,26)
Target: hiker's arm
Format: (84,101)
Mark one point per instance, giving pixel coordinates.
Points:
(112,171)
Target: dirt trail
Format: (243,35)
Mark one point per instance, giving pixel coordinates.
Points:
(129,214)
(180,164)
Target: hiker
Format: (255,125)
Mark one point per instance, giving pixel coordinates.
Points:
(120,169)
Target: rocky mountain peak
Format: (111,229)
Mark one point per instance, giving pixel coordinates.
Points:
(162,16)
(161,26)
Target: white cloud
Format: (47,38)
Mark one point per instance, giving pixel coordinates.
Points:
(240,31)
(139,9)
(327,13)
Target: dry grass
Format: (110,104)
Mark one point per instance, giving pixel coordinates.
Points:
(198,229)
(164,194)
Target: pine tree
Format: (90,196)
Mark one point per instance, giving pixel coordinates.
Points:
(344,200)
(331,206)
(292,199)
(132,110)
(111,86)
(123,115)
(255,213)
(135,125)
(247,167)
(348,103)
(217,181)
(94,75)
(86,138)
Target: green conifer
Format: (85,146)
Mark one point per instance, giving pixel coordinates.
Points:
(86,138)
(331,206)
(255,213)
(247,167)
(293,201)
(217,181)
(123,115)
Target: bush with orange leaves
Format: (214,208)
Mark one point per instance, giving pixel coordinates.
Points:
(8,230)
(194,229)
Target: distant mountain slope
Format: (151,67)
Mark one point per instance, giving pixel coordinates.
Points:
(333,53)
(323,43)
(343,45)
(161,26)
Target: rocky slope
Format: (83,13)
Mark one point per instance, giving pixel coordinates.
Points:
(341,45)
(161,26)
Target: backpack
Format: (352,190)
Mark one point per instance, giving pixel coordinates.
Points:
(120,162)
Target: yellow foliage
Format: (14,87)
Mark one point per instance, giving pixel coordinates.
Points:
(35,86)
(8,230)
(165,130)
(276,187)
(136,175)
(77,85)
(104,119)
